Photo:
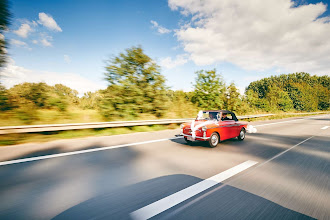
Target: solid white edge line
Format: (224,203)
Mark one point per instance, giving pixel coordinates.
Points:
(325,127)
(81,152)
(178,197)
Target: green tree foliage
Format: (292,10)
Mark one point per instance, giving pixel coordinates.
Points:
(62,96)
(136,86)
(232,100)
(24,100)
(181,105)
(66,92)
(253,100)
(209,90)
(35,93)
(4,22)
(323,95)
(90,100)
(276,99)
(298,91)
(4,102)
(142,94)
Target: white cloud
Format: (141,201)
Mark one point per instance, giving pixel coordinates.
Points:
(35,41)
(34,23)
(67,59)
(46,40)
(13,75)
(256,34)
(19,43)
(168,63)
(160,29)
(24,30)
(49,22)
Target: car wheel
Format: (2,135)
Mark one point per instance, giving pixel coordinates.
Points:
(188,142)
(241,135)
(214,140)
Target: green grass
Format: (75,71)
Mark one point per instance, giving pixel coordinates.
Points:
(73,115)
(76,115)
(12,139)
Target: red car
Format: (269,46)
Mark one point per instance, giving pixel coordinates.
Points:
(214,126)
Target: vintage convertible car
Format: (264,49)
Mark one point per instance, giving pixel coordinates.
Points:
(213,126)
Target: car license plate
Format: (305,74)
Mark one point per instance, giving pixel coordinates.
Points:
(190,139)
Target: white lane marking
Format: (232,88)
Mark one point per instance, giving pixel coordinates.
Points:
(325,127)
(276,156)
(178,197)
(80,152)
(287,121)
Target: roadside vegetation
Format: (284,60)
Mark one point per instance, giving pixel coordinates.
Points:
(12,139)
(137,91)
(5,17)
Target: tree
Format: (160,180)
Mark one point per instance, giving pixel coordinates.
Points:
(135,86)
(4,102)
(90,100)
(278,99)
(65,92)
(36,93)
(232,100)
(209,90)
(252,98)
(299,91)
(41,96)
(181,105)
(4,22)
(323,96)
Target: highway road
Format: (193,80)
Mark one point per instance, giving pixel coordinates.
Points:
(280,172)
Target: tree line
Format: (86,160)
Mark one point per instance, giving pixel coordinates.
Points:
(137,87)
(296,91)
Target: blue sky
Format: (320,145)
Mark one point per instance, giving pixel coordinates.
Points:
(68,41)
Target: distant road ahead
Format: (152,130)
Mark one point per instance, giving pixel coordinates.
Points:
(280,172)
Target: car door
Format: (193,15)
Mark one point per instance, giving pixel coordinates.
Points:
(237,125)
(229,127)
(232,129)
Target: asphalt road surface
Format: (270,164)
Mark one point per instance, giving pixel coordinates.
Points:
(280,172)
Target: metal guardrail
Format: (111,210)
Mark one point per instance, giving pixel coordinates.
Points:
(253,116)
(76,126)
(113,124)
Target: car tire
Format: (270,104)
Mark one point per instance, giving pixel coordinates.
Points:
(214,140)
(188,142)
(241,135)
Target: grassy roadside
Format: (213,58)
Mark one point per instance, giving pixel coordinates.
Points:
(76,115)
(12,139)
(281,116)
